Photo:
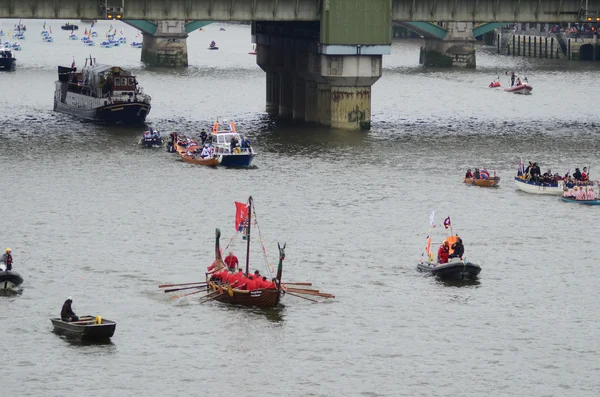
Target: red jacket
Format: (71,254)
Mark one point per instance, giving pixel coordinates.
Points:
(442,254)
(231,261)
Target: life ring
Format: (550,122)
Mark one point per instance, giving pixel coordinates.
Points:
(230,290)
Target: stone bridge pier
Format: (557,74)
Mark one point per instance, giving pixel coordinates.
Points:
(313,75)
(166,47)
(456,49)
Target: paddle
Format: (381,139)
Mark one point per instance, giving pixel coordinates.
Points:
(179,285)
(181,296)
(298,296)
(307,284)
(212,297)
(309,292)
(181,289)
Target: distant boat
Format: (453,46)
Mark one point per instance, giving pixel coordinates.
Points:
(222,29)
(253,52)
(490,182)
(520,89)
(213,48)
(137,44)
(69,26)
(584,202)
(7,61)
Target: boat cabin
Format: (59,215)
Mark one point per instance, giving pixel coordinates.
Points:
(5,52)
(222,134)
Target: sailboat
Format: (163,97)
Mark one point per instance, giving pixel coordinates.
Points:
(456,268)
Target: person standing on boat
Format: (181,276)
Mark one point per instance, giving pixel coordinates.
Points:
(7,259)
(67,314)
(203,136)
(577,174)
(443,253)
(512,79)
(231,261)
(584,174)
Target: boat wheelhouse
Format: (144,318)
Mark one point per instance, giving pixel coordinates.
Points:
(238,154)
(101,93)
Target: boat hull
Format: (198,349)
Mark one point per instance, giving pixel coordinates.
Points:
(9,280)
(192,160)
(263,298)
(519,89)
(122,113)
(236,160)
(539,188)
(85,331)
(584,202)
(490,182)
(454,270)
(8,64)
(152,143)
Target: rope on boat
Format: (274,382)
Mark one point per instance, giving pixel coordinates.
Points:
(267,264)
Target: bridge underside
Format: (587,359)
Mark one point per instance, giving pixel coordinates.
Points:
(306,10)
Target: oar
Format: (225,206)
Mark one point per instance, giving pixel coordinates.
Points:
(179,285)
(181,289)
(212,297)
(307,284)
(181,296)
(317,293)
(299,296)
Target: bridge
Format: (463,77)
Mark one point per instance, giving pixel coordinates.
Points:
(321,57)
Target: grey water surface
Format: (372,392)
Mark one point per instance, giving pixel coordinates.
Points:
(88,213)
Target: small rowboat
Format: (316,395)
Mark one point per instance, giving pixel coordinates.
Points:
(535,187)
(213,48)
(584,202)
(490,182)
(519,89)
(9,280)
(213,161)
(494,84)
(88,327)
(455,269)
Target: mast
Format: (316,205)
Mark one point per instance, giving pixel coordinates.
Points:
(250,204)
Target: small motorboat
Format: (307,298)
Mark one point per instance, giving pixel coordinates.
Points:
(584,202)
(151,139)
(16,47)
(455,269)
(69,26)
(524,88)
(490,182)
(88,328)
(94,34)
(48,39)
(136,44)
(89,43)
(222,29)
(213,48)
(73,37)
(9,280)
(495,84)
(538,187)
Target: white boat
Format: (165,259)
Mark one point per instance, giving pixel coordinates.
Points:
(539,187)
(222,133)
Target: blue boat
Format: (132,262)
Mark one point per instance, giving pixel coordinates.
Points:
(222,134)
(122,40)
(94,34)
(106,44)
(89,43)
(584,202)
(48,39)
(73,37)
(136,44)
(16,47)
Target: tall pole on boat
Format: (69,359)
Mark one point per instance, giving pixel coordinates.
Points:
(248,234)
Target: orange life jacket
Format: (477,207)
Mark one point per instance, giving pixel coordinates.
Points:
(451,240)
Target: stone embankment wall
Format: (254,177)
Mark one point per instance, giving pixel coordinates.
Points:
(554,45)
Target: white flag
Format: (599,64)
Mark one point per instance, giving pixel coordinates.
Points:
(431,218)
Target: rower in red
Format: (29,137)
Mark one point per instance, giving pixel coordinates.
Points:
(231,261)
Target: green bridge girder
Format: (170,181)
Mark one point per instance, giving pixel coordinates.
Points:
(487,27)
(151,28)
(427,29)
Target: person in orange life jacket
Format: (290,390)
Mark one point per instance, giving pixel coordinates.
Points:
(484,174)
(443,253)
(7,259)
(231,261)
(458,249)
(469,174)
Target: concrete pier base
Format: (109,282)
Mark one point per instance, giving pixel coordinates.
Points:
(351,107)
(286,95)
(167,47)
(324,104)
(310,101)
(272,93)
(299,106)
(457,49)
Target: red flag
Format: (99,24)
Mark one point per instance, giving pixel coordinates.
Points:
(447,223)
(241,213)
(73,64)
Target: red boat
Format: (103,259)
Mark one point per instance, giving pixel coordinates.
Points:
(520,89)
(494,84)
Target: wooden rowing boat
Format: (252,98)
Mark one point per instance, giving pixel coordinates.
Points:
(490,182)
(584,202)
(87,328)
(213,161)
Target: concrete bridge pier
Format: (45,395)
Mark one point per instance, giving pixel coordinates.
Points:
(272,93)
(166,47)
(457,48)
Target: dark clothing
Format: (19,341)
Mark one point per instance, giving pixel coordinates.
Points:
(468,174)
(67,313)
(477,175)
(203,136)
(8,260)
(577,175)
(458,249)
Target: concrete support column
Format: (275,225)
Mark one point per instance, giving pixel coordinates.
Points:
(457,49)
(272,93)
(286,95)
(350,107)
(310,101)
(323,104)
(168,46)
(299,106)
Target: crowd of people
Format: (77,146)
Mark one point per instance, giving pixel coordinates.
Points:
(241,281)
(534,173)
(204,148)
(580,193)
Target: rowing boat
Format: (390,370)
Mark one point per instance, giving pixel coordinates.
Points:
(88,327)
(584,202)
(212,161)
(490,182)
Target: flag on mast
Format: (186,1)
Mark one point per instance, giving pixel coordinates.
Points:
(447,223)
(73,64)
(431,218)
(241,214)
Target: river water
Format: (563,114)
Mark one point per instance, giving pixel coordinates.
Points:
(90,214)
